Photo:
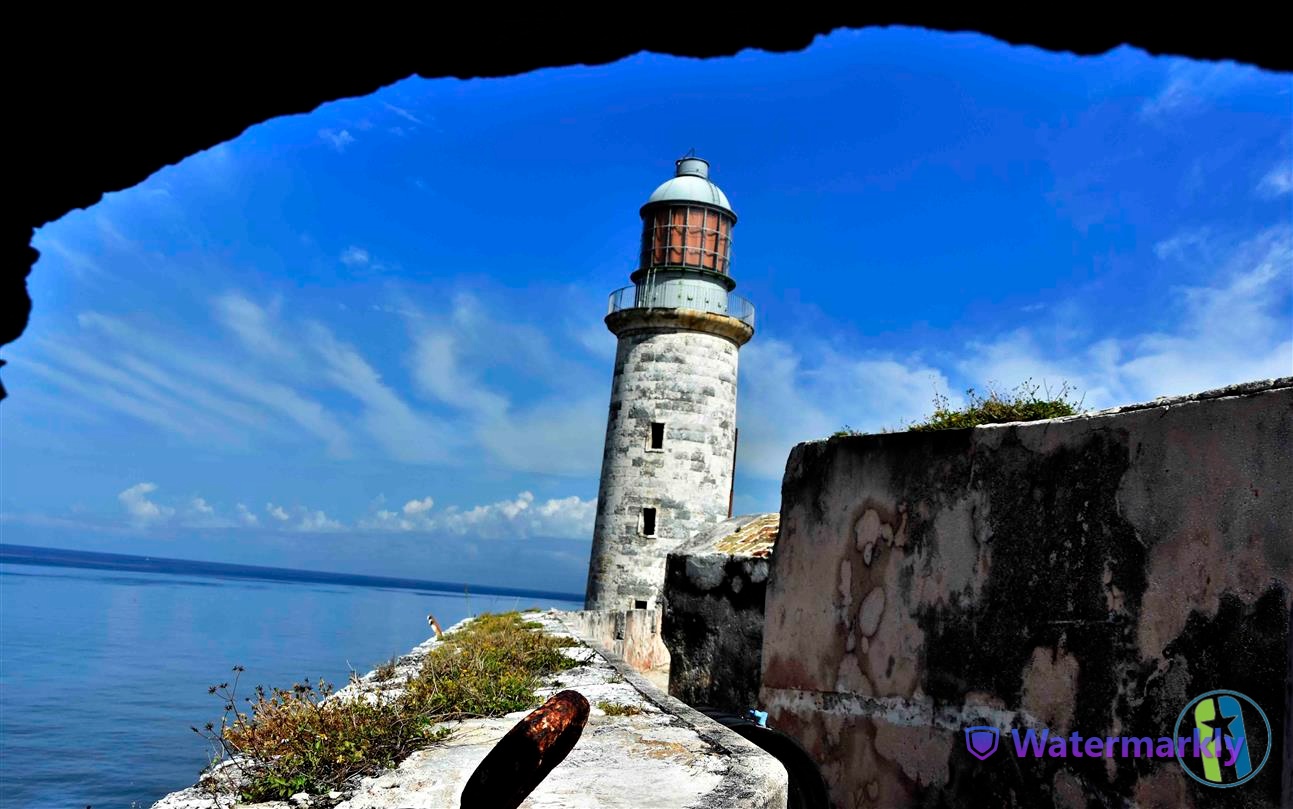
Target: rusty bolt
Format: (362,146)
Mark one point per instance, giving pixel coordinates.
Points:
(525,756)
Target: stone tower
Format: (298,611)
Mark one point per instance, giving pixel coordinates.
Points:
(671,435)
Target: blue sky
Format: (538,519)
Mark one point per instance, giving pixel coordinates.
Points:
(369,338)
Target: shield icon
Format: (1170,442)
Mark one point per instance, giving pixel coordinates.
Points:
(982,741)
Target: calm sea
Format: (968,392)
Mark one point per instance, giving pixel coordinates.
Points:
(102,672)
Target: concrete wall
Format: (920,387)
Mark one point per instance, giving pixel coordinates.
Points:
(1091,574)
(687,380)
(713,624)
(632,635)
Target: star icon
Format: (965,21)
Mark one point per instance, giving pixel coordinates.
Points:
(1220,725)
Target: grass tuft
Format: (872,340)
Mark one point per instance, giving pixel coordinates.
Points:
(307,739)
(618,709)
(1026,402)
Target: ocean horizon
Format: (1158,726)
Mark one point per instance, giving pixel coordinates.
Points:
(108,658)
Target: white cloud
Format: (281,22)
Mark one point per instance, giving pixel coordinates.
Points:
(1189,85)
(316,522)
(201,506)
(107,396)
(596,340)
(254,326)
(556,436)
(355,256)
(1278,182)
(447,356)
(300,518)
(403,113)
(793,393)
(139,507)
(1234,329)
(405,434)
(439,373)
(337,140)
(83,266)
(194,375)
(1184,245)
(557,431)
(245,515)
(557,518)
(418,506)
(565,518)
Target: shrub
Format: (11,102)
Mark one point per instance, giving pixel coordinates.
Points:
(310,739)
(386,671)
(1020,404)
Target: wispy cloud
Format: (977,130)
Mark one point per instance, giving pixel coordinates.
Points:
(81,265)
(254,326)
(1278,182)
(557,429)
(1188,87)
(403,432)
(792,393)
(1185,244)
(337,139)
(1233,329)
(189,372)
(403,113)
(354,256)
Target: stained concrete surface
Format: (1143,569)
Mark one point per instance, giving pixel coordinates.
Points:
(1092,573)
(667,756)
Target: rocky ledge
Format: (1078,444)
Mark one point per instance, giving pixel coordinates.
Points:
(651,751)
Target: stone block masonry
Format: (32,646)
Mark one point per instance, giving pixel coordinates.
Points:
(1092,574)
(686,381)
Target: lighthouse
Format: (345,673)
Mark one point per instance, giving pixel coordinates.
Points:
(669,457)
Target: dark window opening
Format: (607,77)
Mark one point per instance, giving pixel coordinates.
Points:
(639,604)
(657,435)
(648,522)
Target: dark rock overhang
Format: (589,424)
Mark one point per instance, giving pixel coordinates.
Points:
(101,104)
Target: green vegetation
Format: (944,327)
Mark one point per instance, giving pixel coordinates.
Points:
(385,671)
(618,709)
(301,740)
(1023,403)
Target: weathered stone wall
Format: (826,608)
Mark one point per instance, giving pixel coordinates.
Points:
(632,635)
(713,622)
(687,380)
(1091,574)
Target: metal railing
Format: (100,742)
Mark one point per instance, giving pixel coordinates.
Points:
(675,295)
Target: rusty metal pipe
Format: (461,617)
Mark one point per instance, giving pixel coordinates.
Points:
(524,757)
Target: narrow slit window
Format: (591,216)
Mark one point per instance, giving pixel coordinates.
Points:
(657,435)
(648,522)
